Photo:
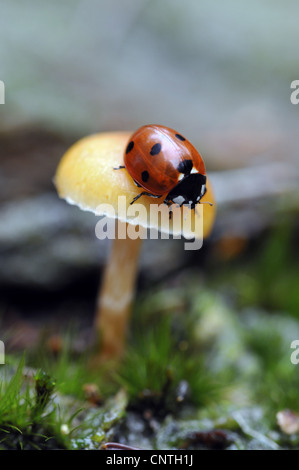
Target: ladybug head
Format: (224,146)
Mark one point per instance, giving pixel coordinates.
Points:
(189,190)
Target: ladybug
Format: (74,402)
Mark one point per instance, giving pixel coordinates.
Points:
(163,162)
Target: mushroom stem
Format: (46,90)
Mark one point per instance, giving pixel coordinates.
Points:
(116,296)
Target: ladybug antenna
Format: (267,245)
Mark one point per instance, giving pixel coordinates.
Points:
(206,202)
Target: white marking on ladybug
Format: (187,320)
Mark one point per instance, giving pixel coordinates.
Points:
(178,200)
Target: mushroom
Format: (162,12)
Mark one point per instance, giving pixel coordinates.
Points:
(85,177)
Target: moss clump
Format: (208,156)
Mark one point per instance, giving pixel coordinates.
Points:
(25,422)
(162,373)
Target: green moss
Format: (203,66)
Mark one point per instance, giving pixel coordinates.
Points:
(214,346)
(24,421)
(72,370)
(160,370)
(33,415)
(276,381)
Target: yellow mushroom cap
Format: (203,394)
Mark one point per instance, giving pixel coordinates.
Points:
(86,177)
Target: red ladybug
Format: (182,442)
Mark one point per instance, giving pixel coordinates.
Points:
(163,162)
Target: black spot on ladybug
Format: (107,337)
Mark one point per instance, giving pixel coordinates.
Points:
(185,167)
(179,136)
(130,146)
(155,149)
(145,176)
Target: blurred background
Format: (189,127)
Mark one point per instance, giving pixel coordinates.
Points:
(219,73)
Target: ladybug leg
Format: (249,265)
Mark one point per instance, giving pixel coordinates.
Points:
(121,167)
(169,205)
(144,193)
(205,202)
